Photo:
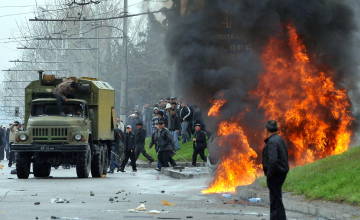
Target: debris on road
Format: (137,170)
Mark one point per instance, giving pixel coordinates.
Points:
(167,203)
(140,208)
(170,218)
(65,218)
(59,200)
(227,196)
(255,200)
(223,213)
(254,214)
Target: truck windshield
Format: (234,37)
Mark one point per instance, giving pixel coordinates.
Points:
(50,108)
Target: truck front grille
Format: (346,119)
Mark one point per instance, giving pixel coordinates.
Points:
(40,132)
(59,132)
(53,132)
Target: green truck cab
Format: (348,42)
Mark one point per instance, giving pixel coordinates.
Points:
(82,135)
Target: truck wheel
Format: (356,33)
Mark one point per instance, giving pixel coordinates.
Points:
(83,165)
(41,169)
(106,161)
(23,162)
(97,164)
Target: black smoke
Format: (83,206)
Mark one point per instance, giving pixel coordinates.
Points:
(217,47)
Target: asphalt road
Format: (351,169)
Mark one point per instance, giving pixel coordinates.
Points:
(111,198)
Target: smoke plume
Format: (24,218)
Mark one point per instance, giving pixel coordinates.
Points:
(217,50)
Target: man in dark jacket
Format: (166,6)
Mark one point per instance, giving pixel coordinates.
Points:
(276,167)
(2,143)
(129,153)
(200,144)
(117,150)
(164,144)
(140,136)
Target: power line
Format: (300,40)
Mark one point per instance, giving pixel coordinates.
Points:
(43,48)
(76,38)
(9,70)
(29,61)
(101,19)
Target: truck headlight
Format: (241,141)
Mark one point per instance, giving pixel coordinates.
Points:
(78,137)
(23,137)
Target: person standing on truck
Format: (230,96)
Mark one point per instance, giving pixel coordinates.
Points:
(63,92)
(129,152)
(140,136)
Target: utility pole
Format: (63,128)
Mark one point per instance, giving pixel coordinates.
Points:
(124,78)
(98,53)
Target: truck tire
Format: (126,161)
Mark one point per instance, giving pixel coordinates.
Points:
(83,165)
(41,169)
(97,164)
(106,161)
(23,163)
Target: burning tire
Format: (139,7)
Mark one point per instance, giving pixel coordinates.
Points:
(83,165)
(23,162)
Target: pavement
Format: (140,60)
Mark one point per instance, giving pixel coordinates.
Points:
(63,196)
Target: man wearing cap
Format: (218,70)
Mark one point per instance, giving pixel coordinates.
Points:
(276,167)
(129,153)
(140,136)
(200,144)
(165,145)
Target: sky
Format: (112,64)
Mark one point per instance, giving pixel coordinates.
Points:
(12,14)
(16,13)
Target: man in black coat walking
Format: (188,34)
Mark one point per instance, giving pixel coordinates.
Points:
(140,136)
(276,167)
(129,153)
(165,145)
(200,144)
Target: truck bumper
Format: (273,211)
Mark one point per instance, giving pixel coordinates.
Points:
(49,148)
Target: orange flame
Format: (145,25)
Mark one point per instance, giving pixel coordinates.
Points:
(238,166)
(314,114)
(215,108)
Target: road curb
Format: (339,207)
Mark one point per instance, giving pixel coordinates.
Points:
(320,209)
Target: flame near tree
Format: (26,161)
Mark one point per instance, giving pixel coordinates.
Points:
(314,115)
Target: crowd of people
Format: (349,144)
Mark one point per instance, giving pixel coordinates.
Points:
(7,137)
(168,123)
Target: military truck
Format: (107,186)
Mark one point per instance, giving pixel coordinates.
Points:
(81,135)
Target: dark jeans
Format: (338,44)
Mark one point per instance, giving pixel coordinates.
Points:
(198,151)
(2,152)
(275,183)
(163,158)
(129,154)
(141,150)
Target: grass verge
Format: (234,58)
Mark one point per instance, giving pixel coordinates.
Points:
(183,155)
(335,178)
